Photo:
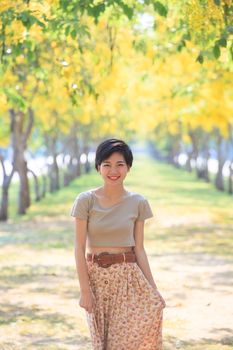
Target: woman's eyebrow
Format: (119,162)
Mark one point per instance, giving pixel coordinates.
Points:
(119,161)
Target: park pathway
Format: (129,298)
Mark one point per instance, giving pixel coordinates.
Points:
(188,244)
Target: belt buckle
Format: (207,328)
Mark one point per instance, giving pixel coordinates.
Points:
(102,264)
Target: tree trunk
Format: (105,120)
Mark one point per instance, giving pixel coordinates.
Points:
(77,167)
(188,166)
(36,186)
(206,158)
(219,177)
(55,172)
(230,145)
(73,169)
(195,151)
(75,153)
(230,189)
(53,169)
(174,151)
(20,134)
(4,203)
(202,167)
(52,179)
(44,186)
(24,191)
(68,174)
(5,191)
(87,165)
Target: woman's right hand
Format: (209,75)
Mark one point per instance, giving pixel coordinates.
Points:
(87,300)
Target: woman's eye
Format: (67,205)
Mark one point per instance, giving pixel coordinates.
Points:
(109,165)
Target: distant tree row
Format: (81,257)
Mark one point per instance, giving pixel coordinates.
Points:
(74,72)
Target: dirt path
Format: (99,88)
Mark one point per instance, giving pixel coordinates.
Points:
(198,291)
(188,251)
(39,298)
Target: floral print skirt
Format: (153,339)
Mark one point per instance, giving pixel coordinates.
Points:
(127,312)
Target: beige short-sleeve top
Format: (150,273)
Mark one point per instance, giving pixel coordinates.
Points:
(112,226)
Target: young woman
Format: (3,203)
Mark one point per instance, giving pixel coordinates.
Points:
(124,308)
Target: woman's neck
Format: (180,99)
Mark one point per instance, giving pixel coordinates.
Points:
(112,192)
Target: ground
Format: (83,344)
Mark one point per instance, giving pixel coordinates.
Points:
(188,244)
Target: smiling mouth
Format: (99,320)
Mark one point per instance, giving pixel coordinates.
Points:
(113,177)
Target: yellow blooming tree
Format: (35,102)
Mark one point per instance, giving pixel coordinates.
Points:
(210,27)
(76,72)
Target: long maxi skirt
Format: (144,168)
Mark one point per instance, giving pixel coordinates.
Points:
(127,312)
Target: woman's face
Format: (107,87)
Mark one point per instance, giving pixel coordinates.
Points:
(114,169)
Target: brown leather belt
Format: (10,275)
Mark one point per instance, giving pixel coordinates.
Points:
(106,259)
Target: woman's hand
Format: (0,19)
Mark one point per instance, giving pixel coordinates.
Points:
(87,300)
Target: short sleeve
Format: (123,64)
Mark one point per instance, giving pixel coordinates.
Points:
(80,207)
(144,210)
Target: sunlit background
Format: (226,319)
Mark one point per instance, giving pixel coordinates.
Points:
(157,74)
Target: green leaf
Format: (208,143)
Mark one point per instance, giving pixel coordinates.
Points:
(186,36)
(24,17)
(31,56)
(140,46)
(28,20)
(160,8)
(67,30)
(15,99)
(216,51)
(181,45)
(231,51)
(73,34)
(222,42)
(217,2)
(128,11)
(41,24)
(95,11)
(200,58)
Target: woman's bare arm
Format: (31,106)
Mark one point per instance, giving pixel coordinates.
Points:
(141,256)
(80,246)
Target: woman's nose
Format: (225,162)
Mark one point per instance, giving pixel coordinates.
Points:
(113,171)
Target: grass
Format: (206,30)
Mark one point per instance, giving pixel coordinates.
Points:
(189,245)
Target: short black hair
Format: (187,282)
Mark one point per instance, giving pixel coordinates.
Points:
(109,146)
